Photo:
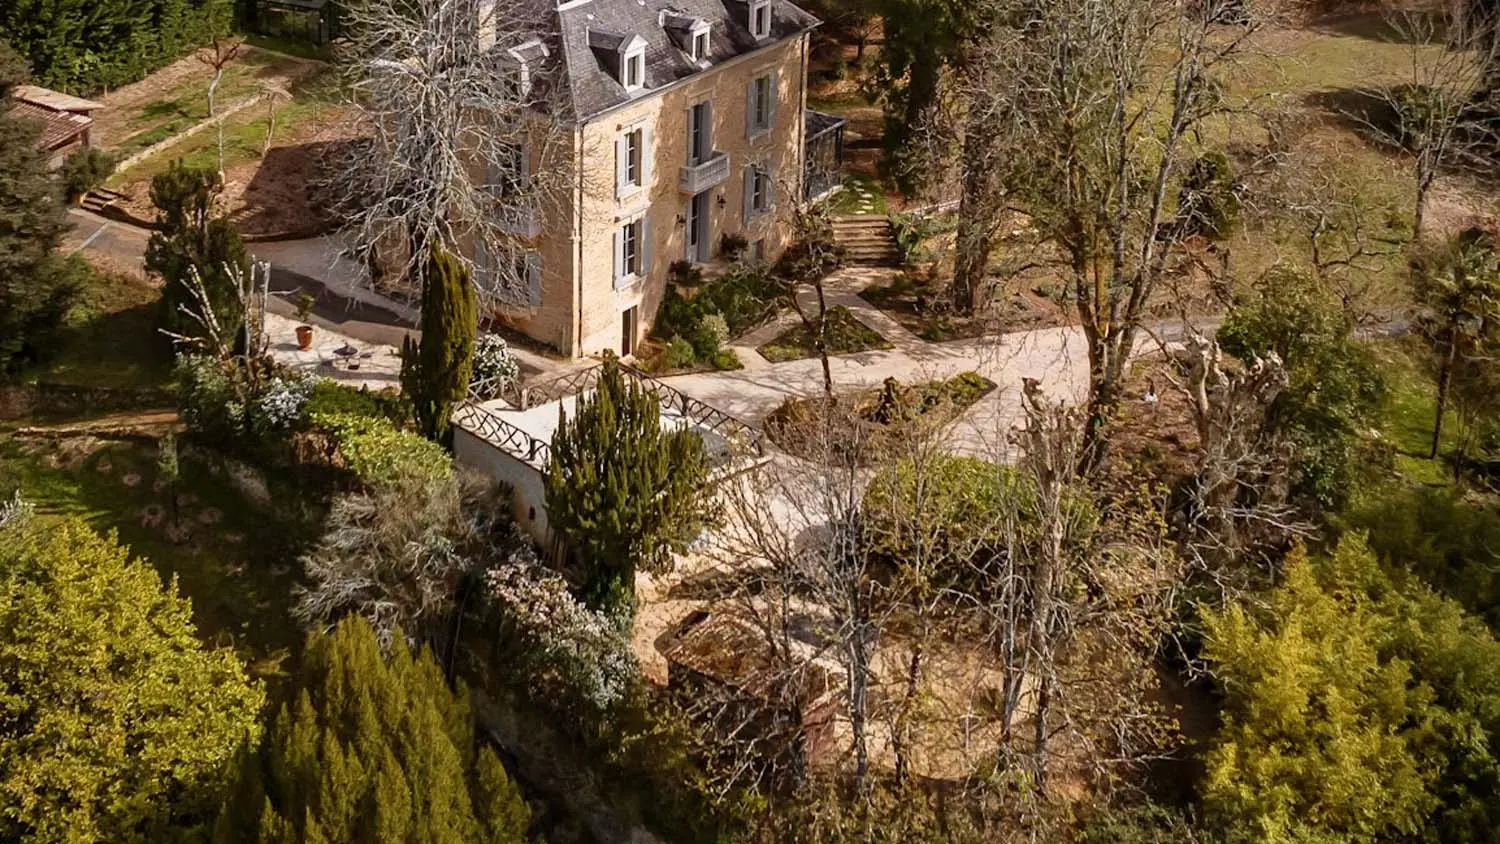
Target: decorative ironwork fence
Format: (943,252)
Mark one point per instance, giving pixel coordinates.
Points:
(472,416)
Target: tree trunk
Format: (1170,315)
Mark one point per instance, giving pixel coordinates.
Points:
(859,674)
(1444,384)
(899,744)
(976,224)
(820,341)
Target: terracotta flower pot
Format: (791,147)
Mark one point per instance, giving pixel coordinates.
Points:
(304,337)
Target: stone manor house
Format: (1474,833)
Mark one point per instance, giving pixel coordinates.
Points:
(690,122)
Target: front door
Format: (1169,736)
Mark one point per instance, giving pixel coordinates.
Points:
(697,229)
(627,332)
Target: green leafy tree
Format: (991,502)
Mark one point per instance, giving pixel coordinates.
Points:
(190,239)
(86,45)
(1333,383)
(1312,746)
(621,491)
(37,286)
(436,373)
(115,722)
(922,40)
(372,748)
(1457,288)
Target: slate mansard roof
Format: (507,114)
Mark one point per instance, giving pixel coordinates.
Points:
(586,29)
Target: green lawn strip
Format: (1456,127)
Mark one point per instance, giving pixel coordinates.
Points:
(237,564)
(244,139)
(111,339)
(849,201)
(845,335)
(289,47)
(1411,403)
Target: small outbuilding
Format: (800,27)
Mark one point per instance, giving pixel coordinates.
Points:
(66,120)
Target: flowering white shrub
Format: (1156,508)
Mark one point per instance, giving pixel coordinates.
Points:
(494,363)
(280,406)
(587,650)
(15,511)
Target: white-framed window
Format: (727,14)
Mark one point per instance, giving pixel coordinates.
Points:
(519,272)
(632,160)
(760,18)
(633,71)
(760,105)
(632,251)
(759,191)
(699,50)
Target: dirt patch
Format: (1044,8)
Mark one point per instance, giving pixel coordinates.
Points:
(275,193)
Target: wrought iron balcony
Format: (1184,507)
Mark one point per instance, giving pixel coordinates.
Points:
(711,172)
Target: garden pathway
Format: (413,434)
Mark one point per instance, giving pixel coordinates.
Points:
(1056,357)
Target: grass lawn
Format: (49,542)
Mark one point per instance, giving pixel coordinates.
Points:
(236,564)
(1411,404)
(180,107)
(861,195)
(845,335)
(111,340)
(245,135)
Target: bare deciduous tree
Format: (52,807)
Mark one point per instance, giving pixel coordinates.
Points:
(224,51)
(1090,113)
(1438,115)
(461,112)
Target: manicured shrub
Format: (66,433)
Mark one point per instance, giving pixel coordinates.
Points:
(376,451)
(85,170)
(709,335)
(330,398)
(679,354)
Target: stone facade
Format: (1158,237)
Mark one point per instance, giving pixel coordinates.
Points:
(582,310)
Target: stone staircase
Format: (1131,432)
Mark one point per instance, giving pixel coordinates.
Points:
(99,199)
(867,240)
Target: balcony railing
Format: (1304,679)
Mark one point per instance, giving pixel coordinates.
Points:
(712,172)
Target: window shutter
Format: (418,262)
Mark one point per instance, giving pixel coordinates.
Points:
(691,125)
(748,202)
(646,153)
(770,188)
(619,257)
(621,151)
(708,130)
(645,247)
(750,109)
(525,175)
(774,94)
(534,279)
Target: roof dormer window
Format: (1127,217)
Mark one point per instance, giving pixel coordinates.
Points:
(699,49)
(633,76)
(690,34)
(624,56)
(760,18)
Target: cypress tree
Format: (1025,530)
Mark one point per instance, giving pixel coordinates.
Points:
(435,375)
(372,749)
(621,491)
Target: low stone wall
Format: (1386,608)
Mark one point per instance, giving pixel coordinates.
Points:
(43,399)
(155,148)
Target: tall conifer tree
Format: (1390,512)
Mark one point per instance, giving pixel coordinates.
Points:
(372,748)
(620,490)
(435,375)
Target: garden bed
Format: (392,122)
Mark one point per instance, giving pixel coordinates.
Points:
(921,306)
(845,335)
(865,426)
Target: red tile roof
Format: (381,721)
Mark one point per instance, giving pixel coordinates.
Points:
(59,128)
